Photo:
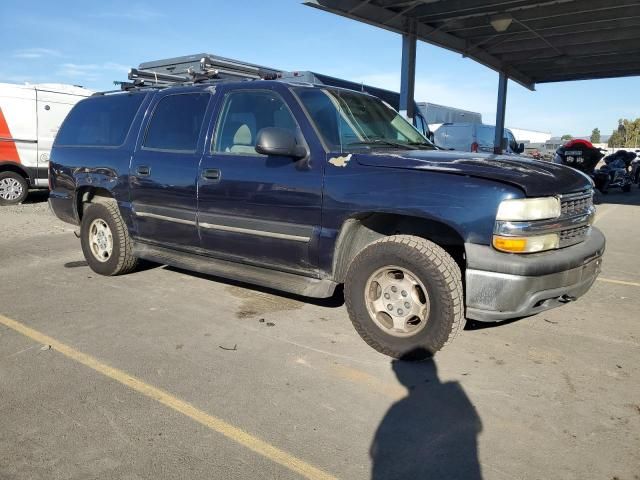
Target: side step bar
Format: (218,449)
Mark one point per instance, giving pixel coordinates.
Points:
(288,282)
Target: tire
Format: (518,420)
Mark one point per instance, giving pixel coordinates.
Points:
(105,217)
(626,187)
(13,188)
(420,260)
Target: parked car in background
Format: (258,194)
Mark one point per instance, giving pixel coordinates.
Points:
(302,188)
(474,137)
(30,116)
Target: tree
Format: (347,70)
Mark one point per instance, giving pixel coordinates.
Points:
(566,136)
(595,135)
(627,135)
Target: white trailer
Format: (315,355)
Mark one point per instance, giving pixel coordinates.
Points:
(30,116)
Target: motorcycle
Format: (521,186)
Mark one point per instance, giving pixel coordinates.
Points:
(618,168)
(583,156)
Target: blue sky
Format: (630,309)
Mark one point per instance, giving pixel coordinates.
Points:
(94,43)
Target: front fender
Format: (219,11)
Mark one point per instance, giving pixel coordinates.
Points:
(465,205)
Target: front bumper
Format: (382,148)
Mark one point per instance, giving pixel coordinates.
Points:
(501,286)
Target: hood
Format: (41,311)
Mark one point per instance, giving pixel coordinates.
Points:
(536,178)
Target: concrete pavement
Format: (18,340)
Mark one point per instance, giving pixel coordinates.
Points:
(552,396)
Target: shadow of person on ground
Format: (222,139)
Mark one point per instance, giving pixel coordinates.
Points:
(431,434)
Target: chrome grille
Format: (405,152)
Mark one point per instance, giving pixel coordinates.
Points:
(572,236)
(576,204)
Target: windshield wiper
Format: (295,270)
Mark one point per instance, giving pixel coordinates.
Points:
(384,141)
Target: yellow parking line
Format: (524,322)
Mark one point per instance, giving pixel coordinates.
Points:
(214,423)
(619,282)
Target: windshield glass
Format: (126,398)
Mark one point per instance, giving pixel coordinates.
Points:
(351,120)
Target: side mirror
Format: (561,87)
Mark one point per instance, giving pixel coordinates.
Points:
(279,142)
(431,136)
(520,148)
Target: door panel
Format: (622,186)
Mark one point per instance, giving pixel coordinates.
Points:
(441,137)
(18,135)
(164,171)
(486,137)
(262,210)
(459,137)
(164,199)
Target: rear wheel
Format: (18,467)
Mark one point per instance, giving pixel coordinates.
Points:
(404,296)
(13,188)
(105,240)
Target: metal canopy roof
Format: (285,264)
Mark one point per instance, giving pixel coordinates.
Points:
(547,41)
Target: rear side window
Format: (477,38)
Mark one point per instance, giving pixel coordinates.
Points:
(100,121)
(176,122)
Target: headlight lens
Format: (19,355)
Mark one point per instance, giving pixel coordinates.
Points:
(538,243)
(524,209)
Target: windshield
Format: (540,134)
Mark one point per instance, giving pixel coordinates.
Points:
(351,120)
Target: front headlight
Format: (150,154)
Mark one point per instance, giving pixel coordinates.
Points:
(525,209)
(537,243)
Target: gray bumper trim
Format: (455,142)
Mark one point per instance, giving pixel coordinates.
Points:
(493,297)
(488,259)
(500,286)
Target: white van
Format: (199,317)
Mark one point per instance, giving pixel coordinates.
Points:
(30,116)
(474,137)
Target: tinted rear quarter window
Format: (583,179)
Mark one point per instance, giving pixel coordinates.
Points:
(100,121)
(176,122)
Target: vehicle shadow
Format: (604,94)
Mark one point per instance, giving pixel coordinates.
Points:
(335,301)
(618,197)
(477,325)
(143,265)
(36,196)
(429,434)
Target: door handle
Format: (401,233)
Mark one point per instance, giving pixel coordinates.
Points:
(143,171)
(211,174)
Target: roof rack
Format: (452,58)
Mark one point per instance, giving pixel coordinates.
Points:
(195,69)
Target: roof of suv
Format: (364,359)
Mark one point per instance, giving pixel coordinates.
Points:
(232,83)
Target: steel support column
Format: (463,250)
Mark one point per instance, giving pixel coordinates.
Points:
(408,74)
(500,112)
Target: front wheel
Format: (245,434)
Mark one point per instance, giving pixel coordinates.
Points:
(404,296)
(105,240)
(13,188)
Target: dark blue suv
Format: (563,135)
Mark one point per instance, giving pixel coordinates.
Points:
(303,188)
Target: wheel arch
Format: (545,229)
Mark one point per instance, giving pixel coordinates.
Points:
(363,229)
(90,194)
(14,167)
